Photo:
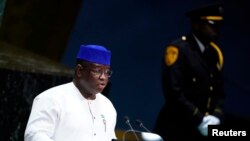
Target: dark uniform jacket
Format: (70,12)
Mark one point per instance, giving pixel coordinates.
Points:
(192,84)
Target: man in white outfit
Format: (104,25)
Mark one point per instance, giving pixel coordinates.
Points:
(76,111)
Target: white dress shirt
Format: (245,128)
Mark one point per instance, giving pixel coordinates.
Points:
(61,113)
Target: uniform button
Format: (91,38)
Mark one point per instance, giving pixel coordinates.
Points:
(194,79)
(94,134)
(211,88)
(211,75)
(184,38)
(94,117)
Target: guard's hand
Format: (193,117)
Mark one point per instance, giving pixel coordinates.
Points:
(212,120)
(203,127)
(207,120)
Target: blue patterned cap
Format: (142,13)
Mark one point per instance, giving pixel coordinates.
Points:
(95,54)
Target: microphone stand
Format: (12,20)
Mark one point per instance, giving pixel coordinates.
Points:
(142,126)
(130,126)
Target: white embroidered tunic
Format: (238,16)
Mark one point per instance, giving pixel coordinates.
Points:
(63,114)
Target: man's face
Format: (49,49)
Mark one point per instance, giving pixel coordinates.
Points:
(210,31)
(94,77)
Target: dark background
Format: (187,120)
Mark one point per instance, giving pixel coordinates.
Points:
(137,32)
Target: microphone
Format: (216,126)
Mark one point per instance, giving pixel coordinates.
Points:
(139,122)
(130,126)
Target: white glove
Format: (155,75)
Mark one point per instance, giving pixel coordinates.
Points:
(207,120)
(212,120)
(203,127)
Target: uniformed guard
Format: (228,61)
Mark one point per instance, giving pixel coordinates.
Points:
(192,79)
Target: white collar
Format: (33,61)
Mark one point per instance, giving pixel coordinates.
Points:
(201,46)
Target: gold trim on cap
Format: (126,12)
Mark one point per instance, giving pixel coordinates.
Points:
(214,18)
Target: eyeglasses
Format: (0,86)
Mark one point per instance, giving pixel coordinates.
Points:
(98,72)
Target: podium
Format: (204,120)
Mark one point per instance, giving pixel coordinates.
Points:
(135,135)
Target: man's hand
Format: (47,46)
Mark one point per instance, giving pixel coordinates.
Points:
(212,120)
(207,120)
(203,127)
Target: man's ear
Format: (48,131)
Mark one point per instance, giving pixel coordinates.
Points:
(79,70)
